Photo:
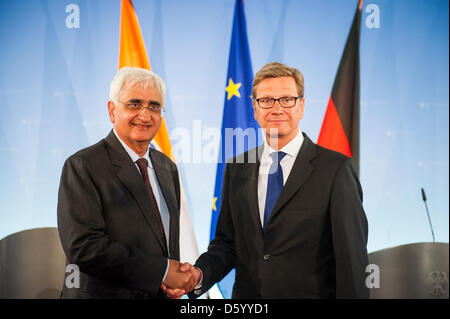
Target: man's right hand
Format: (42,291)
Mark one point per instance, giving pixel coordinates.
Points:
(180,279)
(180,282)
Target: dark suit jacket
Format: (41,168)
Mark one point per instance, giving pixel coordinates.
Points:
(315,241)
(107,223)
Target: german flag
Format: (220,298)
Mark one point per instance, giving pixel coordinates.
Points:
(340,127)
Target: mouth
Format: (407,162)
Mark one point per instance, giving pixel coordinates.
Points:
(277,121)
(141,126)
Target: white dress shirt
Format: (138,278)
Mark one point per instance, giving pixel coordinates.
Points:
(162,206)
(291,149)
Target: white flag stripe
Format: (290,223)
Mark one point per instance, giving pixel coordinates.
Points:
(188,244)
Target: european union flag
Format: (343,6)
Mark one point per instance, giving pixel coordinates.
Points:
(237,114)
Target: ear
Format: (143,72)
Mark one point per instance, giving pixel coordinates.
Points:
(112,111)
(254,108)
(302,107)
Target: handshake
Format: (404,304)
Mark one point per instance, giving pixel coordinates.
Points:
(180,279)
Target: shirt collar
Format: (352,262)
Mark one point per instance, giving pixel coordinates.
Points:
(134,156)
(291,149)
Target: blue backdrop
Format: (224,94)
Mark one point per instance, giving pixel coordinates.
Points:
(54,84)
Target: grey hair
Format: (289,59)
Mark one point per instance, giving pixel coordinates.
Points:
(131,76)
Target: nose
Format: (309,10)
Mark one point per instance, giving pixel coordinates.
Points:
(145,113)
(276,106)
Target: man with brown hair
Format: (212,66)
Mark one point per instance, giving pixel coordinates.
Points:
(291,221)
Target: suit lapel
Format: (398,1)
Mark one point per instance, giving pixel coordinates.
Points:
(299,174)
(128,174)
(252,187)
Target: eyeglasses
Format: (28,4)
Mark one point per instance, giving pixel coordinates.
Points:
(285,101)
(152,106)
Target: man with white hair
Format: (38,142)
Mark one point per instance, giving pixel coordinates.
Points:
(119,201)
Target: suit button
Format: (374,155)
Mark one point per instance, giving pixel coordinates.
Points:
(267,256)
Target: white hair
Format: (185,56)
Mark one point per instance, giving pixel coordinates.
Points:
(131,76)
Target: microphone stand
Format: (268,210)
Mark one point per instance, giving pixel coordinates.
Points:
(424,197)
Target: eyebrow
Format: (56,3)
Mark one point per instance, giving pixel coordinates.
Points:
(140,101)
(134,101)
(270,97)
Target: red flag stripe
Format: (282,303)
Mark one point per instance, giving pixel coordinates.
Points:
(332,134)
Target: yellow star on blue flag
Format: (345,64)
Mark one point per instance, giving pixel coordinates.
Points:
(233,89)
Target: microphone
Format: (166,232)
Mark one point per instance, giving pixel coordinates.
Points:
(424,197)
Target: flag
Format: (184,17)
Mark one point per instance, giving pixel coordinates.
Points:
(237,113)
(132,52)
(340,127)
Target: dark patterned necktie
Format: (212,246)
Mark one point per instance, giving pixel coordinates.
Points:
(142,163)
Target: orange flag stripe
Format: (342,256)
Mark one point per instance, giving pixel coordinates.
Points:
(132,52)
